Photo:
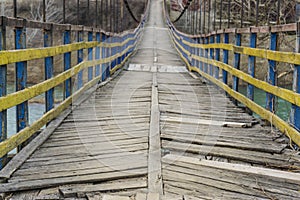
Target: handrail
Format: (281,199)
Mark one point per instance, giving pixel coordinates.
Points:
(192,53)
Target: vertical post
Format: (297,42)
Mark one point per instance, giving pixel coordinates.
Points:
(97,54)
(256,13)
(44,10)
(229,6)
(295,114)
(78,3)
(215,13)
(204,17)
(218,40)
(21,78)
(67,64)
(64,11)
(278,11)
(96,18)
(3,89)
(251,66)
(221,13)
(225,58)
(90,56)
(206,39)
(211,56)
(88,13)
(272,75)
(80,59)
(208,19)
(201,53)
(103,55)
(15,9)
(237,58)
(200,20)
(242,13)
(48,42)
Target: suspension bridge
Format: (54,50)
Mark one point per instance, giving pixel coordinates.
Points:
(149,113)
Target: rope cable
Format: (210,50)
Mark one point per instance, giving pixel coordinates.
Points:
(183,11)
(129,10)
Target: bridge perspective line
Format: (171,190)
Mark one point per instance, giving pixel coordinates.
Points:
(148,114)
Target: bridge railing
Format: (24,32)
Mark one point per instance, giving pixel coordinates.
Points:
(202,54)
(106,52)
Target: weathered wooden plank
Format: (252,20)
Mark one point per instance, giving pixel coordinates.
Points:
(154,162)
(102,187)
(265,159)
(66,168)
(39,184)
(276,174)
(270,148)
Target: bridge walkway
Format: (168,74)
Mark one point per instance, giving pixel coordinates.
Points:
(157,131)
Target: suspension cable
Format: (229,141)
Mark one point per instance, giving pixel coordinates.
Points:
(129,10)
(183,11)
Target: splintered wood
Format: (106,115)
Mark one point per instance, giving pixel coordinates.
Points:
(206,160)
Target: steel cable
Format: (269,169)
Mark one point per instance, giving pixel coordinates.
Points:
(183,11)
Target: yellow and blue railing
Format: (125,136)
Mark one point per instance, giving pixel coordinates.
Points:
(202,54)
(105,54)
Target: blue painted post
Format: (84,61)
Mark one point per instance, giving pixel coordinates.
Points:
(103,56)
(206,55)
(21,79)
(198,53)
(211,56)
(113,51)
(3,89)
(295,114)
(251,66)
(225,58)
(201,54)
(97,54)
(237,59)
(67,64)
(218,40)
(80,59)
(108,54)
(49,96)
(272,75)
(90,56)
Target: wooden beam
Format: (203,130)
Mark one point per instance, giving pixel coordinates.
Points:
(154,158)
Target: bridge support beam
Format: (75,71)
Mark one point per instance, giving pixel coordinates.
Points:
(97,55)
(21,79)
(251,66)
(237,61)
(80,59)
(3,88)
(217,71)
(67,64)
(272,74)
(103,55)
(295,114)
(225,58)
(211,56)
(90,56)
(48,42)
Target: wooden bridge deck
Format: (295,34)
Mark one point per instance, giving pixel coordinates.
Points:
(151,133)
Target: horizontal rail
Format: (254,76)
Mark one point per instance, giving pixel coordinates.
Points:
(19,97)
(286,57)
(17,139)
(283,126)
(13,56)
(285,94)
(190,49)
